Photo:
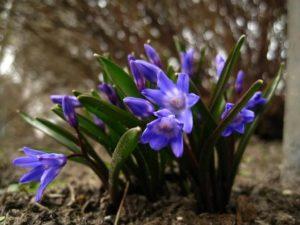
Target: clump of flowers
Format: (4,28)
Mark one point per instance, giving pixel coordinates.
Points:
(151,119)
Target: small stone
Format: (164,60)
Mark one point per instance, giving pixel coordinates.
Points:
(179,218)
(287,192)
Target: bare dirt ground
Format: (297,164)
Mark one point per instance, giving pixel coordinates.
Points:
(75,198)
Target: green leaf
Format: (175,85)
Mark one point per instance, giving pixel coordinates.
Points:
(208,146)
(118,77)
(268,94)
(59,134)
(224,77)
(126,145)
(88,127)
(179,45)
(115,113)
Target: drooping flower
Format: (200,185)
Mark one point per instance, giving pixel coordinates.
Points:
(138,77)
(152,55)
(239,82)
(109,92)
(146,69)
(238,124)
(45,168)
(139,107)
(220,63)
(187,62)
(69,111)
(68,104)
(174,97)
(256,101)
(57,99)
(165,130)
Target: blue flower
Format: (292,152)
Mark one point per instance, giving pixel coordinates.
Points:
(138,77)
(69,111)
(68,104)
(220,63)
(187,62)
(139,107)
(238,124)
(239,82)
(165,130)
(45,168)
(110,93)
(152,55)
(174,97)
(57,99)
(256,101)
(147,70)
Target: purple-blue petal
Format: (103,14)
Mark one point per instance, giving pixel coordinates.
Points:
(183,82)
(33,175)
(146,135)
(220,63)
(32,152)
(192,99)
(227,132)
(186,117)
(177,145)
(139,107)
(57,99)
(162,113)
(109,92)
(154,95)
(187,61)
(138,77)
(69,111)
(239,82)
(148,70)
(48,176)
(240,128)
(158,142)
(152,55)
(164,83)
(26,162)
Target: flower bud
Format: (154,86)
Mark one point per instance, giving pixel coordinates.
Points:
(110,93)
(152,55)
(187,62)
(220,63)
(148,70)
(139,79)
(239,82)
(139,107)
(69,111)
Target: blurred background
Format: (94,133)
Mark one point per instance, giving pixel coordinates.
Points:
(47,46)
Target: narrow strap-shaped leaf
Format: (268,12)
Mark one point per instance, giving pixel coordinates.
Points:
(118,77)
(208,145)
(179,45)
(114,112)
(59,134)
(268,94)
(224,77)
(88,127)
(123,150)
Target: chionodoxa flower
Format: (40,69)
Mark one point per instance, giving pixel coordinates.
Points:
(44,168)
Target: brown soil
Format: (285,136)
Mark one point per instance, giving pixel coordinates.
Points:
(257,199)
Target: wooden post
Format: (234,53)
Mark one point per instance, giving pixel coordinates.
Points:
(291,148)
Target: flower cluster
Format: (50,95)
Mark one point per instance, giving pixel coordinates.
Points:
(174,101)
(161,105)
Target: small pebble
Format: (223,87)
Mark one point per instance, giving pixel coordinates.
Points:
(179,218)
(287,192)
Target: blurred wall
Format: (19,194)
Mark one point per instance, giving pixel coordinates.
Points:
(47,47)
